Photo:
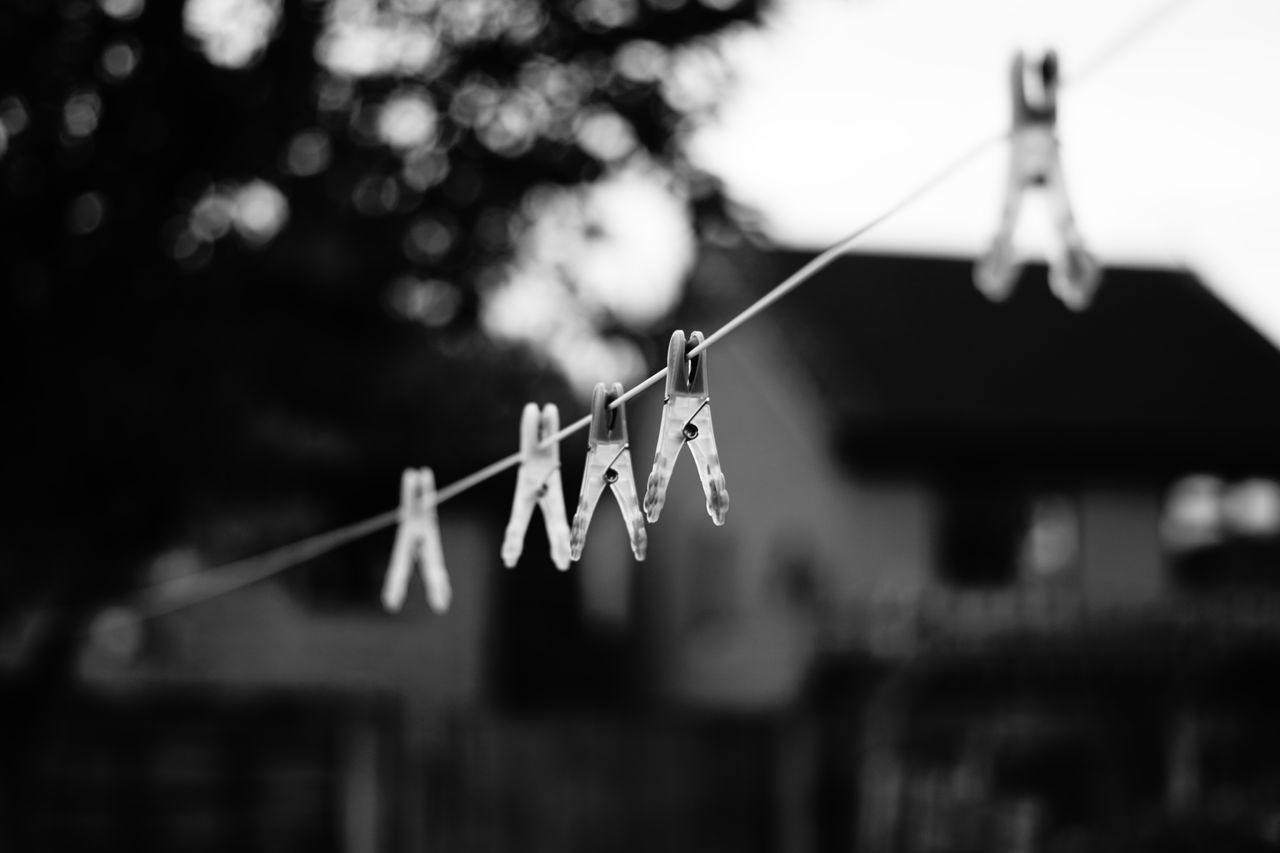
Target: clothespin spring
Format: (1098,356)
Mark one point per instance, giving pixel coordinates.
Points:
(610,474)
(690,429)
(546,481)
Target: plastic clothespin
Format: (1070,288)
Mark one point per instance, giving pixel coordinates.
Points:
(538,482)
(1035,162)
(686,420)
(417,540)
(608,464)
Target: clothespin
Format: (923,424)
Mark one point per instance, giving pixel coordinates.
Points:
(608,464)
(417,540)
(538,482)
(1035,163)
(686,420)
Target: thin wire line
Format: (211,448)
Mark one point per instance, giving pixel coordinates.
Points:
(211,583)
(231,577)
(1123,41)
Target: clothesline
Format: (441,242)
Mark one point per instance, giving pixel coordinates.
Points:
(190,590)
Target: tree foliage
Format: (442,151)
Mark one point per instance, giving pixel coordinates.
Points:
(245,243)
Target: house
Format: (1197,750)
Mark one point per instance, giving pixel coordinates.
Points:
(1036,552)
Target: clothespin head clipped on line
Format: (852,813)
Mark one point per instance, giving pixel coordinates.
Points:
(1034,84)
(538,482)
(686,420)
(417,541)
(608,464)
(1035,163)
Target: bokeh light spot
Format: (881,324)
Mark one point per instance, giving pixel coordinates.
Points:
(1252,507)
(211,218)
(428,239)
(190,252)
(120,60)
(641,61)
(123,10)
(636,248)
(389,193)
(616,251)
(697,78)
(1193,515)
(81,113)
(474,102)
(308,153)
(589,359)
(425,168)
(115,640)
(231,33)
(369,197)
(407,120)
(85,213)
(509,130)
(334,94)
(605,135)
(606,14)
(361,39)
(261,211)
(13,115)
(530,305)
(184,245)
(463,22)
(431,302)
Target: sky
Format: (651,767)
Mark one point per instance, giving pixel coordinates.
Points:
(1171,149)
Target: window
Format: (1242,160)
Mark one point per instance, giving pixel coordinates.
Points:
(993,535)
(1218,533)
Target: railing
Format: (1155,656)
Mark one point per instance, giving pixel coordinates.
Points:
(892,624)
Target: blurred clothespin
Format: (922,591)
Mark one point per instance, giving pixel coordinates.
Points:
(1035,162)
(538,482)
(608,464)
(417,540)
(686,420)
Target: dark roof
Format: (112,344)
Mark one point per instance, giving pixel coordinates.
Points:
(916,367)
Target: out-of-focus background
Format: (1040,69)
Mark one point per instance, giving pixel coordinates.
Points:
(995,577)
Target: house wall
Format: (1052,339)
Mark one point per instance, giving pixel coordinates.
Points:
(811,557)
(1121,563)
(732,612)
(264,636)
(1117,572)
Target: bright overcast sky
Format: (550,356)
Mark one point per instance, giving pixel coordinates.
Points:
(1171,150)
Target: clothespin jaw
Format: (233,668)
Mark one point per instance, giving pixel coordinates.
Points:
(417,541)
(607,425)
(1035,162)
(538,482)
(608,464)
(686,375)
(1035,90)
(686,420)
